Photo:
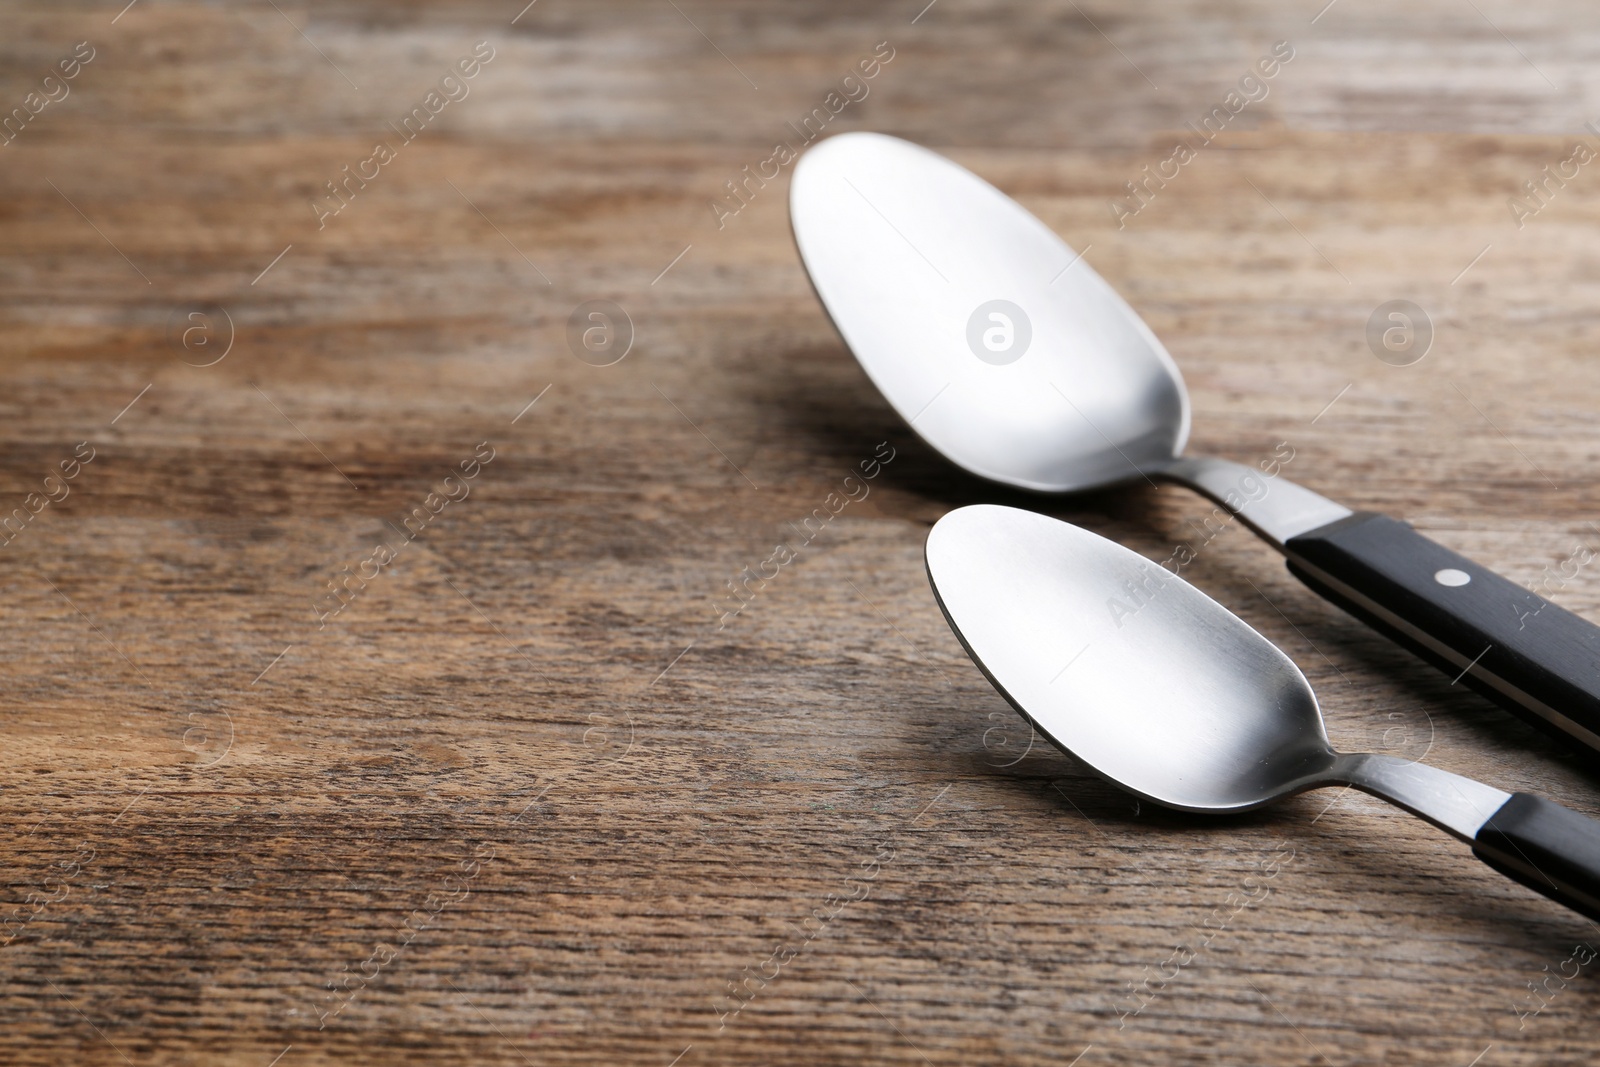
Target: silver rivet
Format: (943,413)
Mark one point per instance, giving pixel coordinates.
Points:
(1451,576)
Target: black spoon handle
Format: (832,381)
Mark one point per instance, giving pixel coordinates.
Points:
(1547,848)
(1516,648)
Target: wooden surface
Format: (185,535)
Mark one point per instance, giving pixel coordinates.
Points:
(522,785)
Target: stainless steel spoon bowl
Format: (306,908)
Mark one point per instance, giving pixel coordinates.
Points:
(1158,688)
(1006,352)
(904,245)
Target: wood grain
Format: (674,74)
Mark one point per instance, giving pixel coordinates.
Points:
(522,784)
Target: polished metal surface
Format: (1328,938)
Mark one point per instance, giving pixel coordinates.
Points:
(1458,805)
(1275,508)
(904,247)
(909,252)
(1148,681)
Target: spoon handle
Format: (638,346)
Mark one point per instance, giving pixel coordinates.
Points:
(1526,654)
(1548,848)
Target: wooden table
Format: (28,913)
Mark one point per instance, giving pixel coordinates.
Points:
(527,796)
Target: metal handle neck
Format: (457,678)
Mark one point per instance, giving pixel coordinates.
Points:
(1457,805)
(1269,504)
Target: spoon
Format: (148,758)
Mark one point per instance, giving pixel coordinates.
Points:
(1006,352)
(1179,701)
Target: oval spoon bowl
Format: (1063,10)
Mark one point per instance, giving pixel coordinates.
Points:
(1102,649)
(905,247)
